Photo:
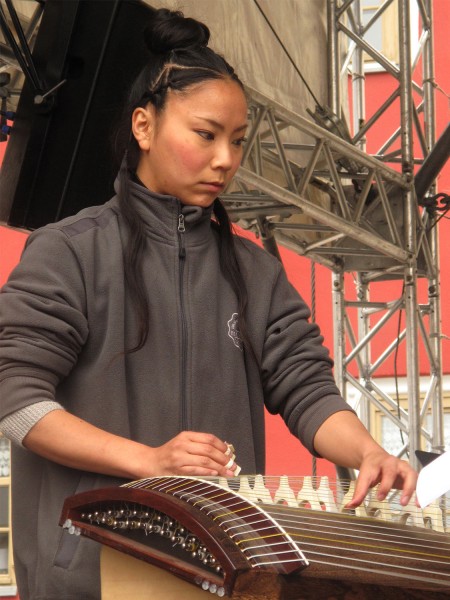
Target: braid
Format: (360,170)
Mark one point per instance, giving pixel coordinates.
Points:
(133,254)
(230,267)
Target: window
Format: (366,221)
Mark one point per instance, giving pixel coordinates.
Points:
(382,35)
(391,440)
(389,436)
(6,561)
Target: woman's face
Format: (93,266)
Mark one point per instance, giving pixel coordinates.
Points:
(193,147)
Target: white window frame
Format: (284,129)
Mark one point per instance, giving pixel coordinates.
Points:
(7,580)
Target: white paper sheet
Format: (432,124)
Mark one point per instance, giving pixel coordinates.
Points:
(434,480)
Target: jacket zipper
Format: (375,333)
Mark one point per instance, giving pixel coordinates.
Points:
(182,256)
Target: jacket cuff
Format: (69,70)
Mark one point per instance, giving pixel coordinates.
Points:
(316,414)
(16,425)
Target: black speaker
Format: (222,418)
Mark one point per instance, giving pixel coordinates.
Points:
(59,157)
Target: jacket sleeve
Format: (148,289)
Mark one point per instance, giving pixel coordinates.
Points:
(296,367)
(43,323)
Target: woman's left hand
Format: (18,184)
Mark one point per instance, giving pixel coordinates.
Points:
(379,467)
(344,440)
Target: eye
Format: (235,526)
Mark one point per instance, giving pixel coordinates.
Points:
(240,141)
(207,135)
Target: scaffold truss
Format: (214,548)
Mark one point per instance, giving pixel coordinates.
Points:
(312,187)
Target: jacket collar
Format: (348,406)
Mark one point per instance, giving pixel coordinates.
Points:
(161,215)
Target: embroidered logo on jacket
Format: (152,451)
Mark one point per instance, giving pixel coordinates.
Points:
(233,331)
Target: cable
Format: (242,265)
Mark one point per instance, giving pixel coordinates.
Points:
(287,53)
(395,367)
(28,70)
(23,43)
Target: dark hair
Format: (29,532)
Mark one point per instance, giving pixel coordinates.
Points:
(179,58)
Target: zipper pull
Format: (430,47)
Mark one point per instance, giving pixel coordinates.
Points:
(181,229)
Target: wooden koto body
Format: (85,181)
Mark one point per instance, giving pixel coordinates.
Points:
(246,539)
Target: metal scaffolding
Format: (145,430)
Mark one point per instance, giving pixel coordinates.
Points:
(312,187)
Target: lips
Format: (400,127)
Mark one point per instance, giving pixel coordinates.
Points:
(215,186)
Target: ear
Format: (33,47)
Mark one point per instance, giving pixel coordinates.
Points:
(142,125)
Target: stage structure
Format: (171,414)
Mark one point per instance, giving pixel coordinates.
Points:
(308,183)
(418,234)
(332,202)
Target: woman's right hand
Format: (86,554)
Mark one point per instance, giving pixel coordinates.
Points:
(68,440)
(194,453)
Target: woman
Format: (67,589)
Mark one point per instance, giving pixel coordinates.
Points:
(139,335)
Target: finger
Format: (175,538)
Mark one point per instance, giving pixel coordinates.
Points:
(388,478)
(214,461)
(224,465)
(197,471)
(202,466)
(409,486)
(198,444)
(231,469)
(358,495)
(222,452)
(218,457)
(364,482)
(208,439)
(400,475)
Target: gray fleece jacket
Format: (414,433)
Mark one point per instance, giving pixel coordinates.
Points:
(65,321)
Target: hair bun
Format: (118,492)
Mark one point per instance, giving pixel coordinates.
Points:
(169,30)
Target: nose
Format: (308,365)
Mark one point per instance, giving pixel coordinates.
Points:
(223,157)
